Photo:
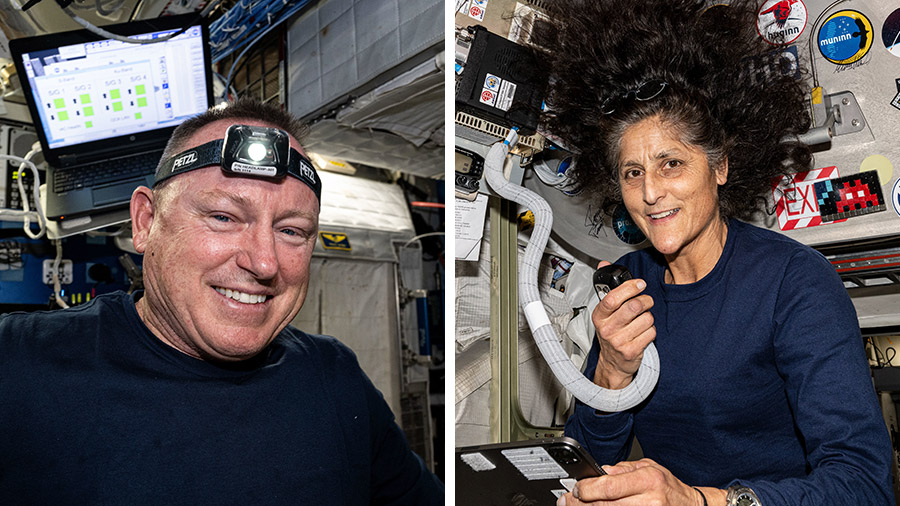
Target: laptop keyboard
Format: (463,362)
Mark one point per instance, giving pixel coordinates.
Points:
(117,169)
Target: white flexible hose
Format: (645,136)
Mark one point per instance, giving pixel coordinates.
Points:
(544,336)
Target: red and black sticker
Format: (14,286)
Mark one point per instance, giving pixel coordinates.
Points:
(849,196)
(781,21)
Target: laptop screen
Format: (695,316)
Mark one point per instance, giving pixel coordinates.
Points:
(101,89)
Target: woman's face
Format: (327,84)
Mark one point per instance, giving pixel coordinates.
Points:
(669,188)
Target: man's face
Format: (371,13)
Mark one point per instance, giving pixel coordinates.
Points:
(226,259)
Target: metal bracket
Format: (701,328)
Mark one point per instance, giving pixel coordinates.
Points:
(833,115)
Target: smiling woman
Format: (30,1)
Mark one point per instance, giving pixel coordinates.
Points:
(660,105)
(671,193)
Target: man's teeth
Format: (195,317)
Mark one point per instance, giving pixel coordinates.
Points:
(246,298)
(663,215)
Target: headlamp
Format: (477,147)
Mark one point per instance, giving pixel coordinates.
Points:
(246,151)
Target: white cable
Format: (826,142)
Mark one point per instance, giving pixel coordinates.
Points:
(422,236)
(26,212)
(54,275)
(530,299)
(109,35)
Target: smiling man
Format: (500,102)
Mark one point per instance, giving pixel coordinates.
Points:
(196,390)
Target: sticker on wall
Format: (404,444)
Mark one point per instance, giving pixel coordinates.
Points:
(477,8)
(896,101)
(845,37)
(795,200)
(781,61)
(333,240)
(890,33)
(625,228)
(781,21)
(880,164)
(850,196)
(895,196)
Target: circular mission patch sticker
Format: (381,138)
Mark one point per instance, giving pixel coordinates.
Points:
(781,21)
(845,37)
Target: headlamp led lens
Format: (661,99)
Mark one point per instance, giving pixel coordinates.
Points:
(256,151)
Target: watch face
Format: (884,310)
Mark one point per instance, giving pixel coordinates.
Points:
(746,500)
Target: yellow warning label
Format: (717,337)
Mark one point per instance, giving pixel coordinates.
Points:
(817,95)
(333,240)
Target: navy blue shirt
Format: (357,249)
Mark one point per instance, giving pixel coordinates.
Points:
(763,380)
(94,409)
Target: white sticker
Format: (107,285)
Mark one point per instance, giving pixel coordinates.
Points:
(477,8)
(256,170)
(477,462)
(488,97)
(492,82)
(781,21)
(469,222)
(535,463)
(506,95)
(558,492)
(569,483)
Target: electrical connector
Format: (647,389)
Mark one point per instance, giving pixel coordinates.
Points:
(65,272)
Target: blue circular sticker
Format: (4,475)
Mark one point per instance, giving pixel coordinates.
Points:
(625,228)
(895,196)
(845,37)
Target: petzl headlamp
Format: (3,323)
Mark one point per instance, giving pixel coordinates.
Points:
(246,151)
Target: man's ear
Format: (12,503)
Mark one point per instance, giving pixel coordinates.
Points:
(722,172)
(142,210)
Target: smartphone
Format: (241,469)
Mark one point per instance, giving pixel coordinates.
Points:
(608,277)
(534,472)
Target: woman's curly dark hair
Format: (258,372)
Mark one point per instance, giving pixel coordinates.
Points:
(595,49)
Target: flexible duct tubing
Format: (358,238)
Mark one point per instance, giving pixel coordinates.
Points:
(545,337)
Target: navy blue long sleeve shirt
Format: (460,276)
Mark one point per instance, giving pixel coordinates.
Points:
(94,409)
(763,380)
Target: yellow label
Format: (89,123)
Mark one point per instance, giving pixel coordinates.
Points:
(817,95)
(333,240)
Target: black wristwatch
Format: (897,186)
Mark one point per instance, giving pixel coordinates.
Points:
(741,496)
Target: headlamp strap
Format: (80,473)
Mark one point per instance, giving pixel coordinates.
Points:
(210,154)
(195,158)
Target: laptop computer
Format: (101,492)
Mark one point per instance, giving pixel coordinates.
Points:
(104,109)
(533,472)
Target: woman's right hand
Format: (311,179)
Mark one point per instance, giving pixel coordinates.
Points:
(624,327)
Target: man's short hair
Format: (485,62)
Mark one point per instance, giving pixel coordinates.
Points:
(242,108)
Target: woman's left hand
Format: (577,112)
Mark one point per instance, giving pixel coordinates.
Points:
(639,483)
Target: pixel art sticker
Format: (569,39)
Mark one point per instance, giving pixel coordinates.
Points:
(849,196)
